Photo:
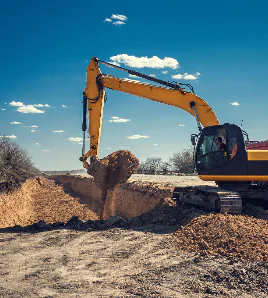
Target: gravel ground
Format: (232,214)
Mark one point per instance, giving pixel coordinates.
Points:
(144,258)
(137,262)
(171,180)
(166,179)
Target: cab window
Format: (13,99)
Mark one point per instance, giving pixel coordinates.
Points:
(210,143)
(210,153)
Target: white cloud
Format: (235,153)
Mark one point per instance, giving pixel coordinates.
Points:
(235,103)
(34,126)
(108,148)
(58,130)
(117,119)
(126,148)
(120,17)
(155,144)
(186,76)
(135,137)
(9,137)
(72,139)
(45,150)
(22,108)
(80,143)
(37,144)
(3,109)
(64,106)
(118,23)
(130,80)
(190,77)
(165,72)
(39,105)
(177,77)
(29,109)
(133,76)
(15,122)
(141,62)
(32,130)
(181,125)
(152,75)
(16,104)
(107,20)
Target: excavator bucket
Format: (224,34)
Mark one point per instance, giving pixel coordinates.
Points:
(113,169)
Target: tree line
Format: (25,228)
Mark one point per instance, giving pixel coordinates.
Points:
(180,162)
(16,165)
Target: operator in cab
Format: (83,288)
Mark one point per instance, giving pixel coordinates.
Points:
(222,146)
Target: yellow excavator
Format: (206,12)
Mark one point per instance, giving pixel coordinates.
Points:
(241,174)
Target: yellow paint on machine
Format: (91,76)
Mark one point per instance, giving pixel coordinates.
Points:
(257,154)
(232,178)
(161,94)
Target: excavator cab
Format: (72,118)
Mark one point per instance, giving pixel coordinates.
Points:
(211,160)
(237,171)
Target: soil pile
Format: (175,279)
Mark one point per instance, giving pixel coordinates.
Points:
(131,199)
(113,169)
(227,235)
(39,199)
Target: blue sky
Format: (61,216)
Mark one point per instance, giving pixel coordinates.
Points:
(46,46)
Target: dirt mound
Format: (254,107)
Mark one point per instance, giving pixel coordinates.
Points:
(40,199)
(227,235)
(113,169)
(131,199)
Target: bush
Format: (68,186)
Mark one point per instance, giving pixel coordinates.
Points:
(141,168)
(164,167)
(152,165)
(183,162)
(15,165)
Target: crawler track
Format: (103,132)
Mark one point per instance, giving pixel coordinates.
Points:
(209,198)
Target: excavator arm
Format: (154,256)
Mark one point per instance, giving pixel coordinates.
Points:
(171,94)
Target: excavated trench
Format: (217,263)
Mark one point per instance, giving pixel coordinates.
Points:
(129,199)
(61,197)
(104,194)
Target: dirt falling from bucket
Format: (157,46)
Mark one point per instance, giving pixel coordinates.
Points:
(112,170)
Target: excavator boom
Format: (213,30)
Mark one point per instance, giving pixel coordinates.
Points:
(171,94)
